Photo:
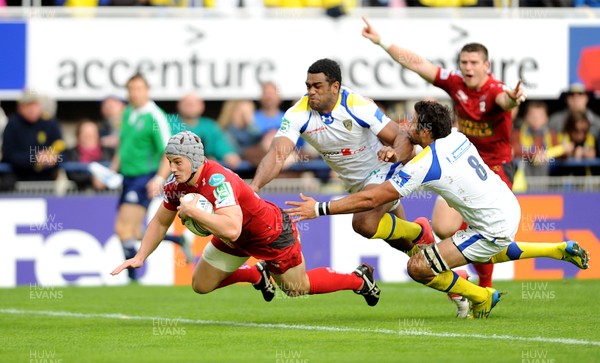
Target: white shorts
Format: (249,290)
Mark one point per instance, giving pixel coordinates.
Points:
(475,247)
(221,260)
(382,176)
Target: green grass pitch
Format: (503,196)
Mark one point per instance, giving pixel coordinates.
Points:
(551,322)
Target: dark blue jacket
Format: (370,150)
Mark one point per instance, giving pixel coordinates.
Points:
(21,142)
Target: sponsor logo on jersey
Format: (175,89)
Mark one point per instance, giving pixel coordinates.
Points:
(462,96)
(400,178)
(327,119)
(475,128)
(444,74)
(344,152)
(347,124)
(224,195)
(285,125)
(319,129)
(216,180)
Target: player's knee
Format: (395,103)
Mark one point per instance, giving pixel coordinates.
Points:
(418,269)
(201,287)
(362,226)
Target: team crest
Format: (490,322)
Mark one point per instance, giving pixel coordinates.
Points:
(348,124)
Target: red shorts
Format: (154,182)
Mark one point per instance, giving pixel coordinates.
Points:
(280,255)
(506,172)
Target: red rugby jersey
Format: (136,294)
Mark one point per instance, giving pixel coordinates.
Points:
(485,123)
(224,188)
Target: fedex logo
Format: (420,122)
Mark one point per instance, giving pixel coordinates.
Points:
(58,248)
(544,218)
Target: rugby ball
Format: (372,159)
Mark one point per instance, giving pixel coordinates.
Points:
(203,204)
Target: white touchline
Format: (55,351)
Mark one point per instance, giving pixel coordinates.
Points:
(300,327)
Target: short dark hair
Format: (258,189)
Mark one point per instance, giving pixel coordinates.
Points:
(476,48)
(435,117)
(137,76)
(329,67)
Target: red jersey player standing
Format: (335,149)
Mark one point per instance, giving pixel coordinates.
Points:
(243,225)
(482,106)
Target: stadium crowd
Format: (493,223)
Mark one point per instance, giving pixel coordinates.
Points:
(35,144)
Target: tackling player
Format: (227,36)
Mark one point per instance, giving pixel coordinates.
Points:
(347,130)
(242,225)
(482,105)
(451,166)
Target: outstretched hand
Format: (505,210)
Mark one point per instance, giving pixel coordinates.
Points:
(132,262)
(304,210)
(517,94)
(370,33)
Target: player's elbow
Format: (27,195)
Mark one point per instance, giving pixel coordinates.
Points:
(232,233)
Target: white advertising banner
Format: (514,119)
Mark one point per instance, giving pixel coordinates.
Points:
(228,58)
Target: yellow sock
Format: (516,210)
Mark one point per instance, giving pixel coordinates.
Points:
(391,228)
(413,251)
(450,282)
(523,250)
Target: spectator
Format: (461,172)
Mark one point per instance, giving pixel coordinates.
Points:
(268,116)
(237,119)
(577,98)
(532,141)
(87,149)
(112,108)
(577,144)
(31,144)
(216,144)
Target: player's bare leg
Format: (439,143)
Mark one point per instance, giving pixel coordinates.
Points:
(128,226)
(445,220)
(392,227)
(218,269)
(433,267)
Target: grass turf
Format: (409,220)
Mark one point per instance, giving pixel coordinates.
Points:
(554,321)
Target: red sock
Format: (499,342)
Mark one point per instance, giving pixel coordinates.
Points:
(243,274)
(324,280)
(485,274)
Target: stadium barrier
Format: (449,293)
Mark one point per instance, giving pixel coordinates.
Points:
(56,241)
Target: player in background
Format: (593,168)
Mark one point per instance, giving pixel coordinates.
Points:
(242,225)
(347,130)
(140,159)
(451,166)
(482,105)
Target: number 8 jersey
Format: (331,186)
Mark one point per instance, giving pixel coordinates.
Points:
(452,167)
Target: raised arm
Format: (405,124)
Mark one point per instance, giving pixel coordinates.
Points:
(270,166)
(510,99)
(404,57)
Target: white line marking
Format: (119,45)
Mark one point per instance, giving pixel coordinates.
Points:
(567,341)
